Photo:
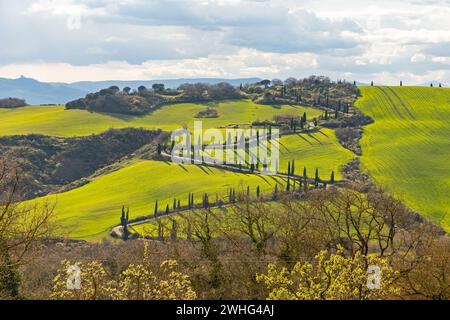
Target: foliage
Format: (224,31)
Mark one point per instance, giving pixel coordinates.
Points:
(329,277)
(136,282)
(12,103)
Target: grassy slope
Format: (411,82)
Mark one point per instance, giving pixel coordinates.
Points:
(316,150)
(87,212)
(54,120)
(407,149)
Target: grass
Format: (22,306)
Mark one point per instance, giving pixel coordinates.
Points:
(407,149)
(87,212)
(319,150)
(56,121)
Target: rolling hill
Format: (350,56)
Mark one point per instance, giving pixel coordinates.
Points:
(407,149)
(88,212)
(56,121)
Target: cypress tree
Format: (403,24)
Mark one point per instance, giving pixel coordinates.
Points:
(258,192)
(174,204)
(293,168)
(192,200)
(156,209)
(122,217)
(248,191)
(304,173)
(288,184)
(173,231)
(179,204)
(289,168)
(167,209)
(316,179)
(159,149)
(205,201)
(332,177)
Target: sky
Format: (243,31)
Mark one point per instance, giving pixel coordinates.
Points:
(75,40)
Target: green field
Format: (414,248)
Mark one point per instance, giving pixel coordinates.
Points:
(56,121)
(407,149)
(319,150)
(87,212)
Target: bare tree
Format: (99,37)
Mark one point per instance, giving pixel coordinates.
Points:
(21,226)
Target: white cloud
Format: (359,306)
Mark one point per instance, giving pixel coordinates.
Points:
(378,40)
(418,57)
(244,63)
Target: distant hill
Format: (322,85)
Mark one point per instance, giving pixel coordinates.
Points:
(36,92)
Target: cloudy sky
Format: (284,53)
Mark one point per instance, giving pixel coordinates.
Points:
(72,40)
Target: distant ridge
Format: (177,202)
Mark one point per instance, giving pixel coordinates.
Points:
(36,92)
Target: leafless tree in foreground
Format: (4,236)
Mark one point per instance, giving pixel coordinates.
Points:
(21,225)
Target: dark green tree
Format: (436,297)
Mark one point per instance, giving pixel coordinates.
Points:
(9,278)
(316,179)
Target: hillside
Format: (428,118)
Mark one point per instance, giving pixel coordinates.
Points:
(407,149)
(49,163)
(56,121)
(88,212)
